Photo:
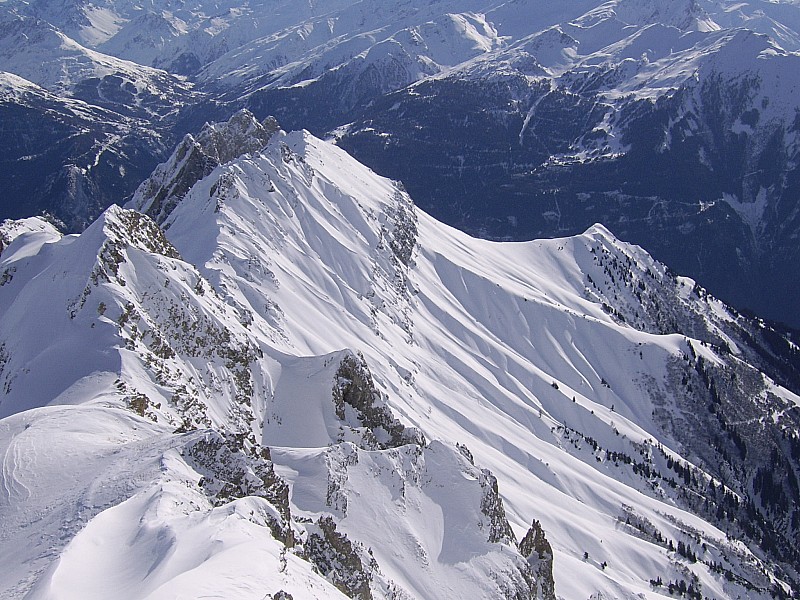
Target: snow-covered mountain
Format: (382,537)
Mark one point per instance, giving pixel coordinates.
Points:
(671,122)
(294,383)
(39,52)
(674,131)
(66,156)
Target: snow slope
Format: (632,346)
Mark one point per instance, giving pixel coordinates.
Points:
(39,52)
(482,331)
(327,65)
(100,502)
(306,384)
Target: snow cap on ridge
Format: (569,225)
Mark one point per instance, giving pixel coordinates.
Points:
(196,157)
(11,229)
(600,230)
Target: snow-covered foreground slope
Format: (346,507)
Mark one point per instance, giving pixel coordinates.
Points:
(305,384)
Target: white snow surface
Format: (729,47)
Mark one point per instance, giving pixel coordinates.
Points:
(251,44)
(39,52)
(282,263)
(277,266)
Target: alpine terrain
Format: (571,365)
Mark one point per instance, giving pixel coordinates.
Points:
(672,122)
(270,375)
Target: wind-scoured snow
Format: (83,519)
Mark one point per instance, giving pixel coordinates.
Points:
(290,379)
(303,303)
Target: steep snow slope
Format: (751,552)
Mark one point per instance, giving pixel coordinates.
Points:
(547,88)
(556,129)
(474,332)
(364,363)
(123,308)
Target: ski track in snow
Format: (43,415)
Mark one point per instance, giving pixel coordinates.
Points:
(16,491)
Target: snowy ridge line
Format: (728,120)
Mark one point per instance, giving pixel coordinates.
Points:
(308,363)
(587,86)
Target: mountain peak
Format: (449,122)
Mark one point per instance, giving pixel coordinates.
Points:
(331,329)
(601,231)
(131,228)
(10,230)
(241,134)
(196,157)
(273,375)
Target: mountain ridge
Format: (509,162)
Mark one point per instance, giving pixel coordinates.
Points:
(355,320)
(573,105)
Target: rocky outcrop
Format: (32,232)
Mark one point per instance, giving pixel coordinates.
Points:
(229,471)
(196,157)
(359,403)
(492,506)
(537,550)
(337,558)
(402,233)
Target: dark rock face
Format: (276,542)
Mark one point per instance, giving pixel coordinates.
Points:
(231,470)
(196,157)
(335,556)
(354,392)
(535,547)
(492,507)
(69,163)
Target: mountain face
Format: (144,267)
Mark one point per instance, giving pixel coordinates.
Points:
(664,150)
(66,157)
(289,381)
(666,135)
(81,128)
(673,123)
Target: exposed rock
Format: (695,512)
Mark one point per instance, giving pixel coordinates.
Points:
(492,506)
(537,550)
(196,157)
(230,472)
(360,404)
(336,558)
(403,232)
